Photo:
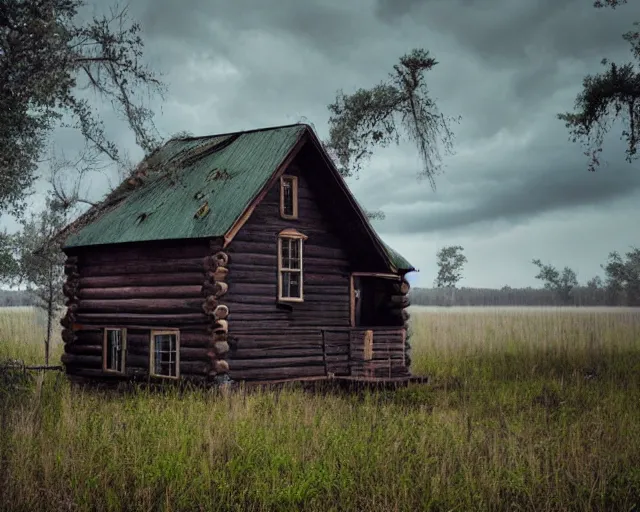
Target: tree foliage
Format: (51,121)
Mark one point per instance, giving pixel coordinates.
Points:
(562,283)
(40,262)
(606,97)
(608,3)
(8,263)
(381,115)
(623,276)
(48,61)
(450,263)
(595,283)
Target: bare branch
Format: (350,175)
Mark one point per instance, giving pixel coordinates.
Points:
(43,75)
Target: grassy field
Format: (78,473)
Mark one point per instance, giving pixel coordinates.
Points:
(528,409)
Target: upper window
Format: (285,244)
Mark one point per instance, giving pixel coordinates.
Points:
(114,350)
(289,197)
(165,354)
(290,265)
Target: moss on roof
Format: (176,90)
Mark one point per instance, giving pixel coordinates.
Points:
(219,175)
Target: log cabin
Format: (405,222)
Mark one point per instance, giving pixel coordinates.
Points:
(229,258)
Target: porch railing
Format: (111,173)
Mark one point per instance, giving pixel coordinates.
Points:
(373,351)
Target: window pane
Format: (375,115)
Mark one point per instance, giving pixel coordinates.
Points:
(286,278)
(165,357)
(294,285)
(114,350)
(286,252)
(295,254)
(290,253)
(291,285)
(287,196)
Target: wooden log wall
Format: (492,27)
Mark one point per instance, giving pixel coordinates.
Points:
(392,309)
(336,207)
(142,287)
(387,357)
(266,355)
(395,310)
(271,340)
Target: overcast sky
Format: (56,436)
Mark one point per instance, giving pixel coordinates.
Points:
(516,188)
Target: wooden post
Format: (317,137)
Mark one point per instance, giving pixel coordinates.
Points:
(368,345)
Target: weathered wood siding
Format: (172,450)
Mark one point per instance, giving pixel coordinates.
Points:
(140,287)
(385,357)
(288,337)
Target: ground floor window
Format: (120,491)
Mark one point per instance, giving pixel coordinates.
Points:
(114,349)
(165,353)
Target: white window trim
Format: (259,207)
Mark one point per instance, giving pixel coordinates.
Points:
(294,189)
(152,362)
(124,350)
(291,234)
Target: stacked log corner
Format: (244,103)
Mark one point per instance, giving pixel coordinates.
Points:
(70,291)
(213,289)
(399,303)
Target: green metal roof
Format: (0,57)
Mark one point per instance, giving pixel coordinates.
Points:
(397,259)
(225,171)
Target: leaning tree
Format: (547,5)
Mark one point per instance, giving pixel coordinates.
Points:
(400,107)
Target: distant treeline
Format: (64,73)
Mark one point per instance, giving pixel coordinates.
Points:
(11,298)
(580,296)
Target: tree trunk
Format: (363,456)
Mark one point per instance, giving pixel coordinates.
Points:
(47,342)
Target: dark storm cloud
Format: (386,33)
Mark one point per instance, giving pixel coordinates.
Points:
(327,25)
(248,63)
(500,30)
(516,189)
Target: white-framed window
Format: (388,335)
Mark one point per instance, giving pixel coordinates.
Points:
(289,197)
(290,266)
(114,349)
(164,353)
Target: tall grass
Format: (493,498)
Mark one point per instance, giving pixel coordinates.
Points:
(22,334)
(527,411)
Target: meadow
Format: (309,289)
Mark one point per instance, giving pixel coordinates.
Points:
(527,409)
